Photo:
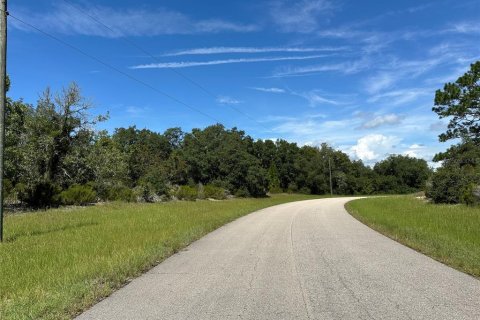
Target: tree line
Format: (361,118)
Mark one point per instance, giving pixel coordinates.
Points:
(54,155)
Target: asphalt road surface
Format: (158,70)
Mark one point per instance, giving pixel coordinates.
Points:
(301,260)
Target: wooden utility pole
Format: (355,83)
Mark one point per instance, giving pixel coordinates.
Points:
(3,99)
(330,169)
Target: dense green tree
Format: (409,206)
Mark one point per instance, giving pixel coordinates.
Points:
(459,176)
(107,164)
(401,174)
(224,157)
(146,150)
(458,179)
(285,159)
(455,184)
(273,179)
(460,103)
(54,138)
(175,137)
(16,118)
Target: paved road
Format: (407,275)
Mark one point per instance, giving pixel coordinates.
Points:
(303,260)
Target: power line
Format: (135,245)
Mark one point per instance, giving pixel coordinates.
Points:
(113,68)
(144,51)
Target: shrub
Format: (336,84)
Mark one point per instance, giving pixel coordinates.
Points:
(214,192)
(78,195)
(186,193)
(469,194)
(292,187)
(120,193)
(146,192)
(275,190)
(242,193)
(40,195)
(453,185)
(304,190)
(155,181)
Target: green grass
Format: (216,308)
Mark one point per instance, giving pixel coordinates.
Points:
(56,263)
(447,233)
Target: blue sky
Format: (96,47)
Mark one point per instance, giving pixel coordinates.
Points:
(360,75)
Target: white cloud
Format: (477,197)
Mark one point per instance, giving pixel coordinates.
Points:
(65,19)
(398,97)
(343,67)
(136,111)
(342,134)
(217,25)
(315,98)
(313,127)
(421,151)
(374,147)
(466,27)
(414,151)
(378,121)
(223,50)
(379,82)
(269,90)
(300,16)
(227,100)
(187,64)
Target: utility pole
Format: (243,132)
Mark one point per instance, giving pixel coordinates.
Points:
(3,99)
(330,169)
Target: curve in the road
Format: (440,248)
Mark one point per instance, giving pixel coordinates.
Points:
(301,260)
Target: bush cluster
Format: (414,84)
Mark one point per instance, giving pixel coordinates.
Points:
(78,195)
(200,192)
(454,184)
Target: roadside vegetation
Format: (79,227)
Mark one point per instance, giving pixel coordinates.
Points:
(56,263)
(55,156)
(447,233)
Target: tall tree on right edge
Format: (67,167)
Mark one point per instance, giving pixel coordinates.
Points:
(460,101)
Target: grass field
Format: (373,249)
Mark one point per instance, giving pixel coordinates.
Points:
(447,233)
(56,263)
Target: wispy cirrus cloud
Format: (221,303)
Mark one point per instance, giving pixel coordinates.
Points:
(465,27)
(269,90)
(188,64)
(455,56)
(348,67)
(225,50)
(315,98)
(401,96)
(65,19)
(300,16)
(379,82)
(227,100)
(136,111)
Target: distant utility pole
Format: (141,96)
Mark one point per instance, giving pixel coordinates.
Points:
(3,99)
(330,169)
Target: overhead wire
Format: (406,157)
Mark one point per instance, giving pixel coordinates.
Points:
(100,61)
(156,60)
